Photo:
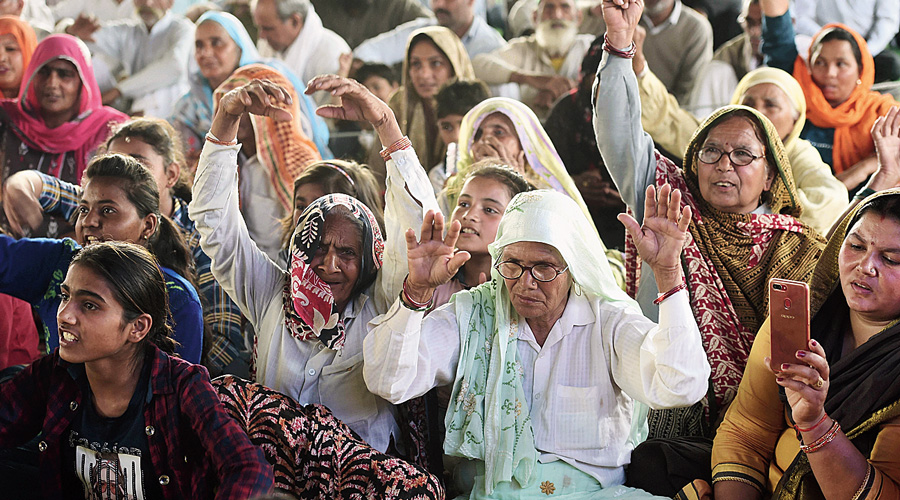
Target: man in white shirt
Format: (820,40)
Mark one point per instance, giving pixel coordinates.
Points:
(290,30)
(457,15)
(142,64)
(544,65)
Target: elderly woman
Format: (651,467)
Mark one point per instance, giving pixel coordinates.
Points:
(311,319)
(836,78)
(544,357)
(824,426)
(221,46)
(738,180)
(58,122)
(779,97)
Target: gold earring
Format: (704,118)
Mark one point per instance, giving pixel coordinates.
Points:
(858,81)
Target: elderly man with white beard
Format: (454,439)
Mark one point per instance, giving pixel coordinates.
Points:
(546,64)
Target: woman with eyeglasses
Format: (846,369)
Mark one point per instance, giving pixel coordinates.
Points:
(738,182)
(548,358)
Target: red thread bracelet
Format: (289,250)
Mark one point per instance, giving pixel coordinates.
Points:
(813,427)
(628,53)
(211,138)
(670,293)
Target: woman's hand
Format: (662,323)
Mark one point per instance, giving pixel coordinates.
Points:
(660,238)
(357,104)
(21,193)
(621,17)
(491,147)
(259,97)
(433,260)
(886,134)
(805,384)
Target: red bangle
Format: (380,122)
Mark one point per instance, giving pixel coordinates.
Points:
(813,427)
(412,304)
(670,293)
(628,53)
(211,138)
(393,148)
(826,438)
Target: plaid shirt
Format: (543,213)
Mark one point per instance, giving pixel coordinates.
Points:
(227,352)
(191,437)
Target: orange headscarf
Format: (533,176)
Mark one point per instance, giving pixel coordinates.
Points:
(852,120)
(24,35)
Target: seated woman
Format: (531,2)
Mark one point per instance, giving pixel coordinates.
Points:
(114,381)
(222,45)
(58,122)
(273,154)
(738,180)
(311,320)
(779,97)
(542,357)
(157,145)
(836,78)
(434,56)
(120,202)
(17,41)
(824,427)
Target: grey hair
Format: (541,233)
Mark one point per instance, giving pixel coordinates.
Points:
(287,8)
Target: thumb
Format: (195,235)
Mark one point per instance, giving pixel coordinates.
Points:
(482,278)
(457,261)
(631,225)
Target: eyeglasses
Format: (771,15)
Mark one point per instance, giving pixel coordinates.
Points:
(738,157)
(540,272)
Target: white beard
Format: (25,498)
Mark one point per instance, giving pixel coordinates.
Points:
(556,41)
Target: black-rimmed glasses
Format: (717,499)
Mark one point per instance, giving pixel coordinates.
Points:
(540,272)
(739,157)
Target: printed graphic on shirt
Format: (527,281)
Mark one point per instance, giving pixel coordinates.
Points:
(109,472)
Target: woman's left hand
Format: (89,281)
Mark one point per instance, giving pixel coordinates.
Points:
(357,104)
(660,238)
(805,384)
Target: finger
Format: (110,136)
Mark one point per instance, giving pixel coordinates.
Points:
(427,223)
(674,206)
(482,278)
(323,82)
(894,118)
(662,200)
(331,111)
(650,202)
(804,390)
(878,127)
(437,231)
(457,261)
(799,372)
(685,220)
(631,225)
(452,234)
(411,243)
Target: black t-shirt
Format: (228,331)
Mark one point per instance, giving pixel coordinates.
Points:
(109,458)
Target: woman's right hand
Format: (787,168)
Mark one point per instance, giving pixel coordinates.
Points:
(886,135)
(357,104)
(21,193)
(259,97)
(433,259)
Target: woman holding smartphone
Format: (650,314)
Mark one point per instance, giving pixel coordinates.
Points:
(113,381)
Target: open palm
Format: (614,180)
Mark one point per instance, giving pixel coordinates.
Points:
(433,259)
(660,238)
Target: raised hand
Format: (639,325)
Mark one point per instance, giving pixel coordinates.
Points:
(621,17)
(886,135)
(20,202)
(805,384)
(357,104)
(259,97)
(433,259)
(660,238)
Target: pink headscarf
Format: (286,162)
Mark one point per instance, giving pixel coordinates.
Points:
(87,130)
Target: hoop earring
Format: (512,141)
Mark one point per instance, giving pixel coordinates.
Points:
(577,288)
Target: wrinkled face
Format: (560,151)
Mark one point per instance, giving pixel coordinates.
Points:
(725,186)
(449,128)
(304,195)
(535,300)
(166,175)
(216,53)
(338,259)
(91,321)
(429,68)
(499,127)
(11,64)
(771,101)
(869,265)
(380,86)
(452,13)
(58,89)
(479,209)
(835,71)
(105,214)
(279,33)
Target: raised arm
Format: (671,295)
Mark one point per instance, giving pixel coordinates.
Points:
(627,150)
(778,46)
(409,193)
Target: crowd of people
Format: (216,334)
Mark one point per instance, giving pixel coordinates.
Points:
(434,249)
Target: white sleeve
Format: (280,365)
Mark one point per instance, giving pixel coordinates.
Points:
(661,365)
(406,355)
(249,277)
